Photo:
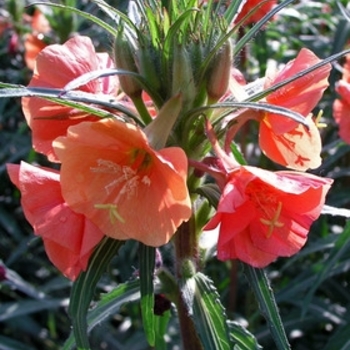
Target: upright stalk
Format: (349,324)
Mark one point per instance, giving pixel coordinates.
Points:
(186,249)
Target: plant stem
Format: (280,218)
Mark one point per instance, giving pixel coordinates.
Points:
(186,249)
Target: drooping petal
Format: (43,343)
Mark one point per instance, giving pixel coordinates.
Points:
(69,238)
(273,215)
(110,173)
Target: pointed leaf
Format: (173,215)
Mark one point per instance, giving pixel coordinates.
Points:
(109,304)
(244,339)
(267,304)
(84,288)
(209,315)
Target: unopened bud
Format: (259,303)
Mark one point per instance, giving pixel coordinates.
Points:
(124,59)
(219,73)
(182,75)
(148,60)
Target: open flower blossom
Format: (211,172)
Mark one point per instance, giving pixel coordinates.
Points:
(341,106)
(111,174)
(69,238)
(284,140)
(264,215)
(57,65)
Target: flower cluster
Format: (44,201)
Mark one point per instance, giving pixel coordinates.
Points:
(133,173)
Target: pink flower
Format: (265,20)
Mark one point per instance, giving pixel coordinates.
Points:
(57,65)
(69,238)
(341,106)
(111,174)
(283,140)
(264,215)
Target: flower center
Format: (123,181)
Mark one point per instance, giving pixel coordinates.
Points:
(268,206)
(127,178)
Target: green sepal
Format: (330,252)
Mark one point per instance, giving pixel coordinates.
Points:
(159,129)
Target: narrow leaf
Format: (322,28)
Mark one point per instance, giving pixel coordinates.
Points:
(267,304)
(109,304)
(84,288)
(209,315)
(244,339)
(342,246)
(147,263)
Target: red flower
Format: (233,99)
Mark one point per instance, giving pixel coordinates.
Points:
(341,106)
(69,238)
(249,5)
(111,174)
(284,140)
(264,215)
(56,66)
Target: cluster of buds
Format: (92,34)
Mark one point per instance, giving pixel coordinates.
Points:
(174,52)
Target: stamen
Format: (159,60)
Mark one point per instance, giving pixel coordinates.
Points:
(272,223)
(113,213)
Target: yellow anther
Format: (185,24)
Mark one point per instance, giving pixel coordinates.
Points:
(113,213)
(317,120)
(272,223)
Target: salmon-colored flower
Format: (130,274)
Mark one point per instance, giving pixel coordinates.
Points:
(264,215)
(69,238)
(341,106)
(56,66)
(284,140)
(249,5)
(111,174)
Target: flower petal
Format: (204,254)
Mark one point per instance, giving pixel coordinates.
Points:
(110,173)
(69,237)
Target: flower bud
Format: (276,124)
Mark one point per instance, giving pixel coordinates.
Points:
(124,59)
(182,75)
(219,73)
(148,60)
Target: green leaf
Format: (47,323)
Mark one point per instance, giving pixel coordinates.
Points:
(161,323)
(84,288)
(147,262)
(208,313)
(244,339)
(73,99)
(342,247)
(258,26)
(267,304)
(12,309)
(229,107)
(109,304)
(86,15)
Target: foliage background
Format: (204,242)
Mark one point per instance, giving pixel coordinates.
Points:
(312,288)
